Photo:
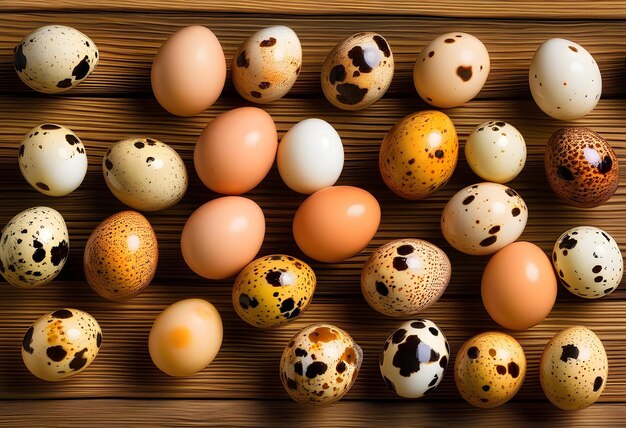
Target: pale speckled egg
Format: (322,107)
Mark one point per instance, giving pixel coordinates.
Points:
(451,70)
(358,71)
(489,369)
(61,344)
(483,218)
(414,358)
(320,364)
(267,64)
(34,246)
(574,368)
(405,276)
(55,58)
(145,173)
(588,261)
(419,154)
(121,256)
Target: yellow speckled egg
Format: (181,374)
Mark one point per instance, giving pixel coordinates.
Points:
(273,290)
(419,154)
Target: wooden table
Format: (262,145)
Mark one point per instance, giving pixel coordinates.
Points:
(241,387)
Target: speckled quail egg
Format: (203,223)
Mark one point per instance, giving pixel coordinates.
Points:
(55,58)
(273,290)
(414,358)
(489,369)
(145,174)
(61,344)
(405,276)
(358,71)
(320,364)
(34,246)
(483,218)
(574,368)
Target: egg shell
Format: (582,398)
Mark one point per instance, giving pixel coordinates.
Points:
(483,218)
(189,71)
(489,369)
(236,150)
(185,337)
(451,70)
(574,368)
(404,277)
(34,246)
(419,154)
(55,58)
(320,364)
(581,167)
(358,71)
(564,79)
(61,344)
(414,358)
(267,64)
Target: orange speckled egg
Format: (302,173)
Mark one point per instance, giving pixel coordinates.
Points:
(121,256)
(419,154)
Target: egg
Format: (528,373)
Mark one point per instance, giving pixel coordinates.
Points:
(483,218)
(574,368)
(185,337)
(222,236)
(489,369)
(55,58)
(418,155)
(518,287)
(404,277)
(564,79)
(189,71)
(358,71)
(451,70)
(61,344)
(581,167)
(121,256)
(236,150)
(310,156)
(496,151)
(34,246)
(336,223)
(145,173)
(320,364)
(267,64)
(588,261)
(414,358)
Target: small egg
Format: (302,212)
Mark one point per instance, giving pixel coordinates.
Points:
(483,218)
(358,71)
(518,287)
(310,156)
(581,167)
(267,64)
(451,70)
(320,364)
(145,174)
(419,154)
(185,337)
(574,368)
(496,151)
(404,277)
(489,369)
(336,223)
(55,58)
(61,344)
(564,79)
(121,256)
(588,261)
(414,358)
(34,246)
